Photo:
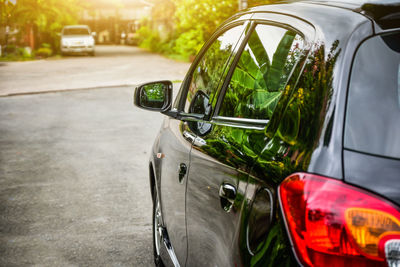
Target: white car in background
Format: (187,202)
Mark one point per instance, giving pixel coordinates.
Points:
(77,39)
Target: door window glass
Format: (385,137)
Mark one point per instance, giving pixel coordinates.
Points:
(262,72)
(211,67)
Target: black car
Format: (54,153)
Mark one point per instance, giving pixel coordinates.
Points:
(283,144)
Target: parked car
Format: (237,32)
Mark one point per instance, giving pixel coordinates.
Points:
(282,147)
(77,39)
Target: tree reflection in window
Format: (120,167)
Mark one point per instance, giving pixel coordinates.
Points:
(211,67)
(262,73)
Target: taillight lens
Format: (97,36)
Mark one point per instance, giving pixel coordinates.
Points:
(335,224)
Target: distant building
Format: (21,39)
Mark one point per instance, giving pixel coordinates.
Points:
(115,23)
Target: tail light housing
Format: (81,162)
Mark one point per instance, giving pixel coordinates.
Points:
(331,223)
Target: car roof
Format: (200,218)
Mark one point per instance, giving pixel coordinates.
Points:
(385,13)
(352,4)
(330,22)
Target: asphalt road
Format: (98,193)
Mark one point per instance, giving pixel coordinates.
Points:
(74,187)
(112,66)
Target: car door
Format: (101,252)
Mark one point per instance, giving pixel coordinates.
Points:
(227,146)
(262,235)
(176,136)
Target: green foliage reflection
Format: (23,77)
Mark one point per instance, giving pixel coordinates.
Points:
(153,95)
(208,72)
(155,92)
(257,82)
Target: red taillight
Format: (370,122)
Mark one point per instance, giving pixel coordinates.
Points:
(334,224)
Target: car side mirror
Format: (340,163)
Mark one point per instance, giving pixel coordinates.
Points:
(154,96)
(94,34)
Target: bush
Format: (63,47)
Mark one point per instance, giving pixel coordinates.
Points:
(189,43)
(149,39)
(25,52)
(14,53)
(45,45)
(43,52)
(10,49)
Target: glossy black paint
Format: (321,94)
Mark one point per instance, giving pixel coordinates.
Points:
(304,134)
(377,174)
(171,150)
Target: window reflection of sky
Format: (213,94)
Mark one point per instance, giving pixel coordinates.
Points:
(230,38)
(270,37)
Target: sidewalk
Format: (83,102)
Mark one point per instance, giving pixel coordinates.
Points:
(112,66)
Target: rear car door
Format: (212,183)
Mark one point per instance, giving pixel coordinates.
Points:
(228,145)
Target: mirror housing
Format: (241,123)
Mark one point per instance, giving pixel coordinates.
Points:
(154,96)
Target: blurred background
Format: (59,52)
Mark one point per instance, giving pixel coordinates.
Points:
(74,187)
(177,28)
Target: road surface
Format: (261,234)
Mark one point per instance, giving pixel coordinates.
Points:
(112,66)
(74,187)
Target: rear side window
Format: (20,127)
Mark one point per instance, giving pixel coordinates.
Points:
(262,72)
(373,105)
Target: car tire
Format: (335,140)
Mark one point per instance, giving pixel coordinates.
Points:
(157,238)
(92,54)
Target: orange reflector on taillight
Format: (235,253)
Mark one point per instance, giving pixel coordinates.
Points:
(368,226)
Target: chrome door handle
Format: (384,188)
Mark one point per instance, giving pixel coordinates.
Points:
(188,136)
(227,194)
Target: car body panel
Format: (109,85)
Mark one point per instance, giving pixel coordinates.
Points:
(304,134)
(211,229)
(173,149)
(377,174)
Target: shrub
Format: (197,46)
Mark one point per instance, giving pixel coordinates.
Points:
(25,52)
(189,43)
(149,39)
(43,52)
(10,49)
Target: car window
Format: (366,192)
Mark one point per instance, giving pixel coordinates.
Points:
(262,72)
(207,74)
(76,31)
(373,105)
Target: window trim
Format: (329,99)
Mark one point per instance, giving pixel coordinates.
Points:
(221,94)
(255,124)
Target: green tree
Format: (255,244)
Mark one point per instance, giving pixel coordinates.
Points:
(43,18)
(191,23)
(196,20)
